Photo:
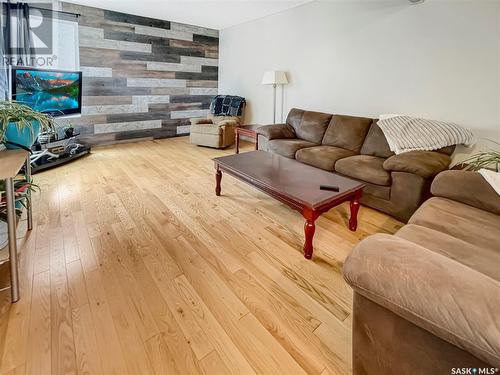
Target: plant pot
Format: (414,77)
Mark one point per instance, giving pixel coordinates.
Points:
(25,136)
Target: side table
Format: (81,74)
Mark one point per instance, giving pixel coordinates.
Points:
(248,131)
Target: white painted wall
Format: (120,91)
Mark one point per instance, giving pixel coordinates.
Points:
(438,60)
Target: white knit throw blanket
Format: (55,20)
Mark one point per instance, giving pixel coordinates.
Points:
(405,133)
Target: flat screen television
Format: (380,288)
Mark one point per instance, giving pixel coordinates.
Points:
(55,92)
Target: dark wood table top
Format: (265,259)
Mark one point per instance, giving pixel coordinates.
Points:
(294,180)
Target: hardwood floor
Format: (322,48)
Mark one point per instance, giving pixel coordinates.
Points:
(135,266)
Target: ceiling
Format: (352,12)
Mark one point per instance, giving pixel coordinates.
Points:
(207,13)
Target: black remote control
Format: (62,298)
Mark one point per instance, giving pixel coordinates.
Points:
(329,187)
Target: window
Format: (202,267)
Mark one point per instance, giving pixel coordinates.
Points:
(63,28)
(65,44)
(39,36)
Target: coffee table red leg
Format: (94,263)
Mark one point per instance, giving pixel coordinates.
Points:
(218,178)
(237,142)
(309,229)
(353,220)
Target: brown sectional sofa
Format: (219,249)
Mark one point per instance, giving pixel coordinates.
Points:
(427,299)
(357,148)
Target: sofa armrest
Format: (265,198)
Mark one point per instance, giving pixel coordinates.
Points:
(436,293)
(423,163)
(196,121)
(277,131)
(466,187)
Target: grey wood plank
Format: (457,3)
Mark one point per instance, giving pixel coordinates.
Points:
(103,100)
(136,20)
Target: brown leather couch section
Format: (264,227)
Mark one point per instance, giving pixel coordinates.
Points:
(375,143)
(308,125)
(435,285)
(365,167)
(313,126)
(386,344)
(323,157)
(449,184)
(288,147)
(347,132)
(356,147)
(277,131)
(424,163)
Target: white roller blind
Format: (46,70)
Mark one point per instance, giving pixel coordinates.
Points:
(62,29)
(66,50)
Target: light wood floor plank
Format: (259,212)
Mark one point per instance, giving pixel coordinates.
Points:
(108,345)
(76,283)
(39,357)
(63,349)
(212,364)
(15,339)
(88,358)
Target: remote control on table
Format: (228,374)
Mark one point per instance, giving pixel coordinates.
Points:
(329,187)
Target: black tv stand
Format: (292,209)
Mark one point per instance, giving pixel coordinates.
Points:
(53,153)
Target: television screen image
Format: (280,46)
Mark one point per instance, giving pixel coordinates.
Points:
(57,93)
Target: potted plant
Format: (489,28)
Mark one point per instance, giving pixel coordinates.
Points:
(20,125)
(484,159)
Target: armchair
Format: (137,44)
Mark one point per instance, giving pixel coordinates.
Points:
(218,129)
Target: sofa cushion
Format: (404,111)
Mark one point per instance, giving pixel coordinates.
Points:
(294,118)
(459,220)
(323,157)
(288,147)
(482,259)
(366,168)
(458,185)
(375,143)
(423,163)
(309,125)
(347,132)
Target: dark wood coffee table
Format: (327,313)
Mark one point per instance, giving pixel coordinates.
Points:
(294,184)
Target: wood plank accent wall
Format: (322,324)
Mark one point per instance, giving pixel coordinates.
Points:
(143,77)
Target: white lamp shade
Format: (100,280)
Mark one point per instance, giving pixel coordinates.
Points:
(274,77)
